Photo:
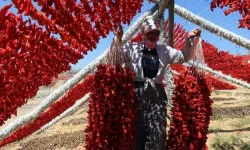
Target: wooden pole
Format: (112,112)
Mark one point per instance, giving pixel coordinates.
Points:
(171,23)
(162,6)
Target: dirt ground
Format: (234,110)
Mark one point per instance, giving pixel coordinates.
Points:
(229,128)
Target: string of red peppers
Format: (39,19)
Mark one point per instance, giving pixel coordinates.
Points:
(233,65)
(112,110)
(191,113)
(216,83)
(243,6)
(76,25)
(73,19)
(26,7)
(31,57)
(52,112)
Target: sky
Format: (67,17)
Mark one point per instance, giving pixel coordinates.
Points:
(198,7)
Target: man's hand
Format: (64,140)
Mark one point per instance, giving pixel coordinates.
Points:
(195,32)
(119,33)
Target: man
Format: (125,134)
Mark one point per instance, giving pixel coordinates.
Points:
(149,60)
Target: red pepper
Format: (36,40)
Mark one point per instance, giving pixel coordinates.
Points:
(31,57)
(243,7)
(53,111)
(118,111)
(189,125)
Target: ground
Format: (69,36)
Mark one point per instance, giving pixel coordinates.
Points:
(229,128)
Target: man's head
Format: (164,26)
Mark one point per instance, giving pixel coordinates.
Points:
(151,28)
(153,35)
(151,31)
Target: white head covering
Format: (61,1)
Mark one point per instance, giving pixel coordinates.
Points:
(150,23)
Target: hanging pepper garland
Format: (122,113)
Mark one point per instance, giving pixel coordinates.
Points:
(112,111)
(30,57)
(191,113)
(233,65)
(218,84)
(53,111)
(243,6)
(73,20)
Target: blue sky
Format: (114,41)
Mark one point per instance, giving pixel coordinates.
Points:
(199,7)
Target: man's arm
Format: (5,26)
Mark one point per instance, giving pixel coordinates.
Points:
(179,57)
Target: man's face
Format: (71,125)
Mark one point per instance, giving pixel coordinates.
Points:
(153,35)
